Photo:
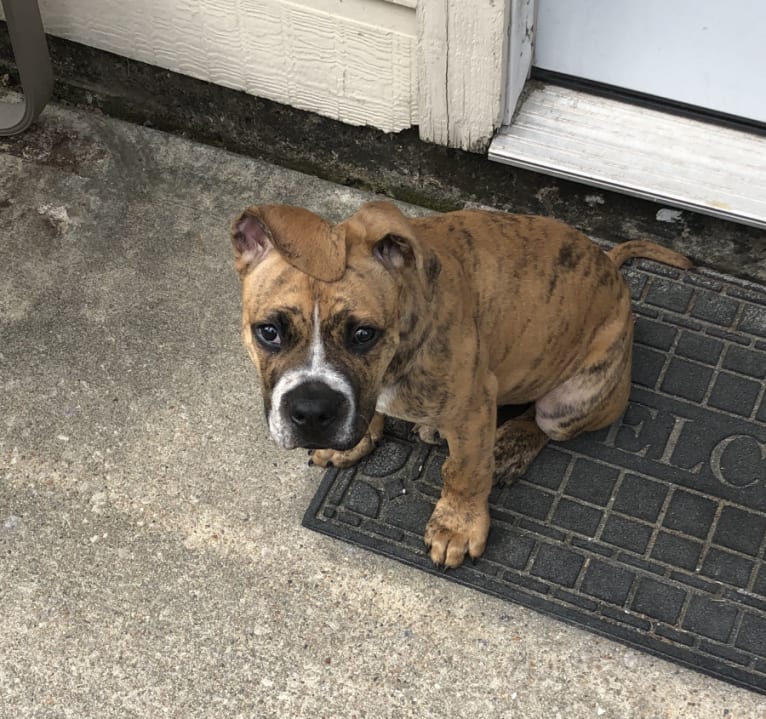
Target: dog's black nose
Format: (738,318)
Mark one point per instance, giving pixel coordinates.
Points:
(315,410)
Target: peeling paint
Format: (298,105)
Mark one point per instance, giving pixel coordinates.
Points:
(668,215)
(594,200)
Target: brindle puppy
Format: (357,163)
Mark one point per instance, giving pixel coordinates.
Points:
(438,321)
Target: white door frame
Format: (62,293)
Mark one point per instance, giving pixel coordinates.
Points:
(666,158)
(472,55)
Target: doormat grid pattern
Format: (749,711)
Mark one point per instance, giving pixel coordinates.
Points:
(651,532)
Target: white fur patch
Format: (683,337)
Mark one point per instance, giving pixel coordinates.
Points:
(386,399)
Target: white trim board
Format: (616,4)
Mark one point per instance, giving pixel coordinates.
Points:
(461,50)
(606,143)
(521,35)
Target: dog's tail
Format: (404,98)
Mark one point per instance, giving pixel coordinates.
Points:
(649,250)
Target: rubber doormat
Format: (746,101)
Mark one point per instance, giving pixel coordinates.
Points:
(651,532)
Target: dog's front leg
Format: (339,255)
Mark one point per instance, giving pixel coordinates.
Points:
(338,458)
(460,521)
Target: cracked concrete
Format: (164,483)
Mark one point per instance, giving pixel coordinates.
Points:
(152,561)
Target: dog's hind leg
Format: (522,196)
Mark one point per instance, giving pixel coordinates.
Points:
(596,395)
(593,397)
(517,442)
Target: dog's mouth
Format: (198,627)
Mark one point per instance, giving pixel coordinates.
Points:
(339,446)
(338,443)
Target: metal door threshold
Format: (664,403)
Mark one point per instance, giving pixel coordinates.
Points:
(676,161)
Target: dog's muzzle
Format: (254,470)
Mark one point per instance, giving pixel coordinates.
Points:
(317,416)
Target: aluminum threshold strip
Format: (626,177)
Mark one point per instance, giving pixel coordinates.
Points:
(30,51)
(676,161)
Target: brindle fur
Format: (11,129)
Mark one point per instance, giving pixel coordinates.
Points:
(480,309)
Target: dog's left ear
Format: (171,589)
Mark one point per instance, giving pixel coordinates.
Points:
(396,251)
(396,245)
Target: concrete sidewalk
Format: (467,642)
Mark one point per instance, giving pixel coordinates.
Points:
(152,561)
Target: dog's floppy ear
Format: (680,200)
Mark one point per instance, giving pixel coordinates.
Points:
(305,240)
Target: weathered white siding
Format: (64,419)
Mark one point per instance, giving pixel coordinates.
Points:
(352,60)
(392,64)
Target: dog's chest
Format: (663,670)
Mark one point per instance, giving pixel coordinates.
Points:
(394,402)
(387,399)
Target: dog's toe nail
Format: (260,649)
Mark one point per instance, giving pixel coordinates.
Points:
(329,465)
(311,463)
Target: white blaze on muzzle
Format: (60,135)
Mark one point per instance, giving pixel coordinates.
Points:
(316,369)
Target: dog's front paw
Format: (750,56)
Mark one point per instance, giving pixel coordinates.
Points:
(457,527)
(336,458)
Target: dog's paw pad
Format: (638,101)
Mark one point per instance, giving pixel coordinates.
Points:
(329,458)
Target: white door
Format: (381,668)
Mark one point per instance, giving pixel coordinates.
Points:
(706,53)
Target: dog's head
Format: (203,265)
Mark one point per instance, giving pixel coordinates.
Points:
(324,309)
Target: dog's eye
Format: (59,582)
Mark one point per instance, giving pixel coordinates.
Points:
(362,338)
(268,335)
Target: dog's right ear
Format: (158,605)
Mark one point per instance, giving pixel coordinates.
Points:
(251,240)
(396,251)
